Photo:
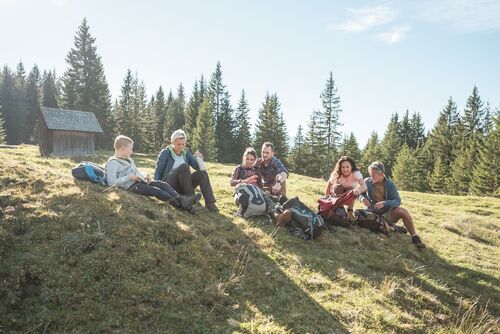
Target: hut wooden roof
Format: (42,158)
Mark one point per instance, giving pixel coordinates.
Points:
(70,120)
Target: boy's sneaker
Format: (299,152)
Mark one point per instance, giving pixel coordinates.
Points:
(416,240)
(212,207)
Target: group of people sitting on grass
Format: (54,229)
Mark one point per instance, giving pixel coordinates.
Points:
(174,183)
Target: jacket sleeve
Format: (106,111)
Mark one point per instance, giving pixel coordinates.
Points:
(234,177)
(280,168)
(111,172)
(191,161)
(393,199)
(161,163)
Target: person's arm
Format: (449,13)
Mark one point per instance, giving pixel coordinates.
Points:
(112,180)
(361,188)
(234,177)
(393,199)
(364,197)
(161,163)
(328,187)
(280,168)
(191,161)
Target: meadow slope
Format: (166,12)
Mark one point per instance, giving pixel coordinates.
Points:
(76,259)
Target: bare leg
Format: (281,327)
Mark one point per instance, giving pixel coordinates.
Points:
(402,213)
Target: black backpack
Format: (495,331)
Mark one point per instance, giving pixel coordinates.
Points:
(250,200)
(305,223)
(371,221)
(89,171)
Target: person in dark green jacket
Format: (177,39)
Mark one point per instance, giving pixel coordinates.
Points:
(382,197)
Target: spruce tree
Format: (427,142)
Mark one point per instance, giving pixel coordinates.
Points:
(391,144)
(216,91)
(487,169)
(271,126)
(474,113)
(404,129)
(328,119)
(123,112)
(169,124)
(33,98)
(441,136)
(462,169)
(84,85)
(2,128)
(139,117)
(405,171)
(315,154)
(350,147)
(159,108)
(225,132)
(8,105)
(298,154)
(242,136)
(372,151)
(148,124)
(204,134)
(194,105)
(439,176)
(50,90)
(20,110)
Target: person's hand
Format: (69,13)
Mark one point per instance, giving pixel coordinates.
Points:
(198,154)
(147,178)
(250,180)
(276,188)
(379,205)
(366,203)
(133,177)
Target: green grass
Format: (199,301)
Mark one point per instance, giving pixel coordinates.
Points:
(76,259)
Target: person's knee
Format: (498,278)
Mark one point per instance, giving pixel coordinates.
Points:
(403,214)
(183,168)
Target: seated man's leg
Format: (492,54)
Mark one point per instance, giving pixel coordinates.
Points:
(180,180)
(396,214)
(283,189)
(200,178)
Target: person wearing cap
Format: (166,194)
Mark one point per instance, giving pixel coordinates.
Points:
(272,172)
(382,197)
(172,166)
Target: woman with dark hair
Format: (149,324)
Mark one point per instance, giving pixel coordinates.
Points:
(246,172)
(344,177)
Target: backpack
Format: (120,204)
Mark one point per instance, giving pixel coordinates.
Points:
(331,208)
(371,221)
(305,223)
(250,200)
(89,171)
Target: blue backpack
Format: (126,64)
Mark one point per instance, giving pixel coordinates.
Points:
(305,223)
(89,171)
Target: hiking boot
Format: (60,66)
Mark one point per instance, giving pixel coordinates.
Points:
(188,201)
(212,207)
(416,240)
(192,210)
(282,199)
(283,218)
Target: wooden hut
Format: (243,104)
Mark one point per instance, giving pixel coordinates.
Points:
(62,132)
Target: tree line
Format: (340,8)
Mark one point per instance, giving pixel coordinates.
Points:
(459,155)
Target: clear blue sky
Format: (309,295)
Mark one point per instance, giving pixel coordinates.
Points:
(386,56)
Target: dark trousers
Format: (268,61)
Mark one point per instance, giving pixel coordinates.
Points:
(159,189)
(185,183)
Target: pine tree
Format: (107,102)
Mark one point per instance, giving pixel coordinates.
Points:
(84,83)
(474,115)
(194,105)
(2,128)
(298,154)
(391,144)
(148,131)
(439,176)
(441,136)
(242,136)
(123,112)
(50,90)
(271,127)
(404,129)
(315,153)
(168,125)
(406,172)
(8,105)
(225,132)
(216,91)
(417,130)
(33,98)
(328,120)
(138,112)
(204,135)
(372,151)
(486,172)
(159,108)
(350,147)
(461,169)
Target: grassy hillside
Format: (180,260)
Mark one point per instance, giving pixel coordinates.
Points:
(76,259)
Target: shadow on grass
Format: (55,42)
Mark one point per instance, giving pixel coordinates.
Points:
(420,284)
(115,261)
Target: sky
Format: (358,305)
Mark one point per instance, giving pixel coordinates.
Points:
(385,56)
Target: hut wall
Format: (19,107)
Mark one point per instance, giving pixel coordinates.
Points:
(68,143)
(44,138)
